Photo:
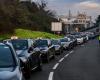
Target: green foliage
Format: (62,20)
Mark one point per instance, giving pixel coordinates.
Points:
(15,14)
(4,36)
(22,33)
(98,21)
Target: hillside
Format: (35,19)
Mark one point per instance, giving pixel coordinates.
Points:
(22,33)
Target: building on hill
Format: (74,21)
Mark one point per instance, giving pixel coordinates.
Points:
(76,23)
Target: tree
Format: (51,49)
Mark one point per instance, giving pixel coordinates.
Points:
(25,14)
(98,21)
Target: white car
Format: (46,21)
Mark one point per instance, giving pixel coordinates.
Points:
(66,43)
(80,39)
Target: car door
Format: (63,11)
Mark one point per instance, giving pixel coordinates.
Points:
(51,49)
(33,59)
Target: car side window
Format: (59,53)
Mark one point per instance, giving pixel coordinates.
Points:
(6,58)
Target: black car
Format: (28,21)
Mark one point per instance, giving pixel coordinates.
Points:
(46,49)
(29,58)
(9,64)
(57,44)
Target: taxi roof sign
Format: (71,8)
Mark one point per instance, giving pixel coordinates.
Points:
(14,37)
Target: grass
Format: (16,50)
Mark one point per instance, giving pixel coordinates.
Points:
(22,33)
(4,36)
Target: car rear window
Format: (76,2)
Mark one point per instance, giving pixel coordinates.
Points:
(39,43)
(20,44)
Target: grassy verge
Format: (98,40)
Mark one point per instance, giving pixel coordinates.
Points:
(22,33)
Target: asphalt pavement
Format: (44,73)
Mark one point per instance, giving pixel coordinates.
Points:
(81,63)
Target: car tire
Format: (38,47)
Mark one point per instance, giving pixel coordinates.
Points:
(28,71)
(47,59)
(39,68)
(54,55)
(59,52)
(23,78)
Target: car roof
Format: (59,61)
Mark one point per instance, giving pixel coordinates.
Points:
(2,44)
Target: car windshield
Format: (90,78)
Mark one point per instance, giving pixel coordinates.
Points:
(6,57)
(71,37)
(20,44)
(55,42)
(78,36)
(39,43)
(64,40)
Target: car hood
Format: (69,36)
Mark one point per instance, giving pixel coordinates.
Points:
(56,45)
(7,73)
(22,53)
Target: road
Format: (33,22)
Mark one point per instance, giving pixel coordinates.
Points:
(81,63)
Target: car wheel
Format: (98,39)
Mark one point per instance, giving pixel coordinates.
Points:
(53,55)
(23,78)
(70,47)
(39,68)
(47,59)
(59,52)
(27,70)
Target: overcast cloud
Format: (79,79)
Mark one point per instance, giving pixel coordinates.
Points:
(91,7)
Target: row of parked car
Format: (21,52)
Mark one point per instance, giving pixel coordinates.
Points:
(18,57)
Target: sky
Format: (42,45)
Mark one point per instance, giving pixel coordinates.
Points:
(61,7)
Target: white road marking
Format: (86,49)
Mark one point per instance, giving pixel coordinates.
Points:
(71,52)
(66,55)
(55,66)
(61,59)
(51,76)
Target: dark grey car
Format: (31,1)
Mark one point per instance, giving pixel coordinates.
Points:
(46,49)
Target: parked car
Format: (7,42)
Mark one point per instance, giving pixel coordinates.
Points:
(73,39)
(90,35)
(85,37)
(29,58)
(46,49)
(9,64)
(66,43)
(57,45)
(80,39)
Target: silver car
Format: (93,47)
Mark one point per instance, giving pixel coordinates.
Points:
(9,64)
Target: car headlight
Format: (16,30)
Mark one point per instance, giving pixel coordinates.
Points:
(66,45)
(23,59)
